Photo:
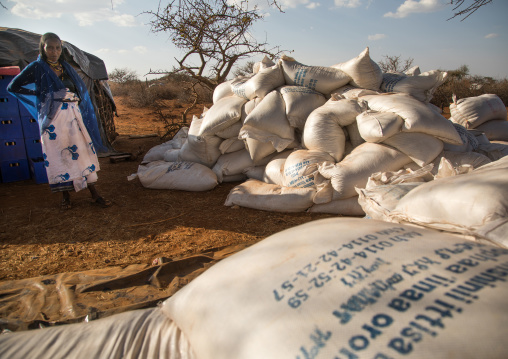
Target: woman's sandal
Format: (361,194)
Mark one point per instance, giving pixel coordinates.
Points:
(104,203)
(65,205)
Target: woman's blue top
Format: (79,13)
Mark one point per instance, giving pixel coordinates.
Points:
(40,90)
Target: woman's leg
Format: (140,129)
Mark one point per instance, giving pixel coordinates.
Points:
(97,197)
(66,200)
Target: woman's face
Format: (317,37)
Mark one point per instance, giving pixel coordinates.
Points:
(53,49)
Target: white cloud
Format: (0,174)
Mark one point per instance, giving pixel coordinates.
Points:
(42,10)
(347,3)
(376,37)
(295,3)
(136,49)
(417,6)
(313,5)
(85,12)
(124,20)
(140,49)
(491,36)
(284,4)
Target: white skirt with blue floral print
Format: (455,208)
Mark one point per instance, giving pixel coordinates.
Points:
(68,151)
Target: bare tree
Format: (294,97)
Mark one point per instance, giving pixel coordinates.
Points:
(469,9)
(395,64)
(122,75)
(245,70)
(212,35)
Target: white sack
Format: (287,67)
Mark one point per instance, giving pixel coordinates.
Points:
(364,72)
(494,150)
(260,84)
(324,127)
(258,149)
(346,288)
(319,78)
(300,102)
(231,131)
(377,126)
(384,190)
(469,139)
(238,85)
(471,112)
(479,135)
(231,145)
(184,176)
(221,115)
(340,207)
(495,130)
(233,163)
(138,334)
(355,169)
(222,90)
(255,172)
(249,106)
(413,71)
(377,202)
(181,136)
(296,164)
(420,147)
(274,170)
(461,159)
(417,116)
(406,175)
(172,155)
(263,64)
(156,153)
(352,92)
(353,135)
(270,197)
(421,87)
(268,123)
(457,162)
(200,149)
(474,204)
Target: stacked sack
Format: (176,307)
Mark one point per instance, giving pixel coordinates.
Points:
(305,137)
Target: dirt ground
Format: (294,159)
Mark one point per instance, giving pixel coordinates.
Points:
(37,238)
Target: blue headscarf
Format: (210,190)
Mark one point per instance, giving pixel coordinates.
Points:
(38,88)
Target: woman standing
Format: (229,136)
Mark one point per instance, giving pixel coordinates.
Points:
(53,92)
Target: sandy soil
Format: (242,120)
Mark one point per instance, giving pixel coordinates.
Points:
(37,238)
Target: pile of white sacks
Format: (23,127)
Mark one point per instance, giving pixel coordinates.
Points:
(308,138)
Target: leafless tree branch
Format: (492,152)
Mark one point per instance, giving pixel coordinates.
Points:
(395,64)
(212,35)
(468,10)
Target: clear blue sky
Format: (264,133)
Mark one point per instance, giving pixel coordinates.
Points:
(319,32)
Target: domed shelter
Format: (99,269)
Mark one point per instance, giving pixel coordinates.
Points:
(19,48)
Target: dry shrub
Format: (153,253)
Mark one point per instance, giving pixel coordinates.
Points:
(469,87)
(145,94)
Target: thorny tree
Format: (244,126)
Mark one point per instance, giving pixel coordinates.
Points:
(469,9)
(395,64)
(212,34)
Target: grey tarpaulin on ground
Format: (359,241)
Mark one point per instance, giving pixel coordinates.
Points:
(73,297)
